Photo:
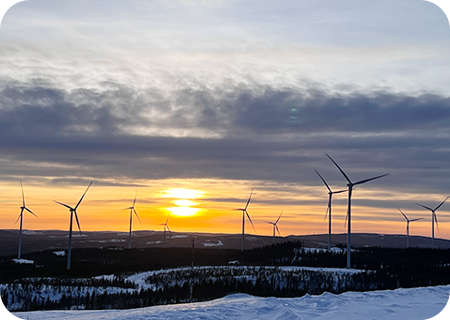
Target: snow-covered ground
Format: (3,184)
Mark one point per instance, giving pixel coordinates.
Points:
(415,303)
(21,261)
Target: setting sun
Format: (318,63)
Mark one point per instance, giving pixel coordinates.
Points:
(184,206)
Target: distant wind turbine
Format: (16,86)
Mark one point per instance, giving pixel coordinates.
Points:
(407,226)
(245,212)
(132,209)
(166,226)
(433,218)
(274,226)
(23,207)
(350,189)
(73,211)
(330,195)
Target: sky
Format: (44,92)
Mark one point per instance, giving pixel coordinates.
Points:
(191,104)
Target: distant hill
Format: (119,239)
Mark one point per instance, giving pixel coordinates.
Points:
(38,240)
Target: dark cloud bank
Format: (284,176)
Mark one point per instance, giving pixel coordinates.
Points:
(261,133)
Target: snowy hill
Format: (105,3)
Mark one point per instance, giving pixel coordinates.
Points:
(415,303)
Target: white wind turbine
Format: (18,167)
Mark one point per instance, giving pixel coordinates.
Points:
(433,218)
(407,226)
(132,209)
(245,212)
(73,212)
(166,226)
(22,208)
(330,195)
(350,189)
(274,226)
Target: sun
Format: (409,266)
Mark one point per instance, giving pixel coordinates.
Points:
(183,193)
(184,206)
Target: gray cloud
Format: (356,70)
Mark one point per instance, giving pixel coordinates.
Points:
(247,132)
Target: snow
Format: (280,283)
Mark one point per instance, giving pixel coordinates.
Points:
(179,236)
(21,261)
(213,244)
(32,233)
(414,303)
(154,242)
(60,253)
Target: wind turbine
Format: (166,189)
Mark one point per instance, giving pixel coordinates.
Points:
(330,195)
(407,226)
(22,208)
(433,218)
(349,210)
(245,212)
(274,224)
(166,225)
(73,211)
(132,209)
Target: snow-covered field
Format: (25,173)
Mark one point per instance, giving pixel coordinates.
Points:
(415,303)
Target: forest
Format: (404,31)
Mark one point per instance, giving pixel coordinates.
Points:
(103,278)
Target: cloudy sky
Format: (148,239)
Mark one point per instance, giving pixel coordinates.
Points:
(222,97)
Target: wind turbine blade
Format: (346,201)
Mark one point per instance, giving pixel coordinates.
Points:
(415,219)
(31,212)
(424,207)
(81,199)
(249,198)
(23,194)
(435,219)
(65,205)
(276,227)
(340,191)
(78,222)
(167,220)
(135,197)
(403,214)
(137,215)
(342,171)
(367,180)
(326,213)
(270,223)
(19,216)
(345,223)
(441,204)
(168,229)
(248,216)
(279,217)
(326,184)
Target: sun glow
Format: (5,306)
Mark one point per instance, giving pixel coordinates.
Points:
(184,206)
(183,193)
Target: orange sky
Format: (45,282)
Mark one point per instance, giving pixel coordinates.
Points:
(207,206)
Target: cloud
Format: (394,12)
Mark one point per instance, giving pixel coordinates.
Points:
(244,132)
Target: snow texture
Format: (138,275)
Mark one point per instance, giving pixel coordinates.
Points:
(415,303)
(21,261)
(213,244)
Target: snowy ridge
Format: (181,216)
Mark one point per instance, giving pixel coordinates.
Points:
(161,287)
(415,303)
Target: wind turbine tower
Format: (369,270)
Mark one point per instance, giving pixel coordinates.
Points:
(330,195)
(350,185)
(166,226)
(245,212)
(274,224)
(433,218)
(407,226)
(73,212)
(22,208)
(132,209)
